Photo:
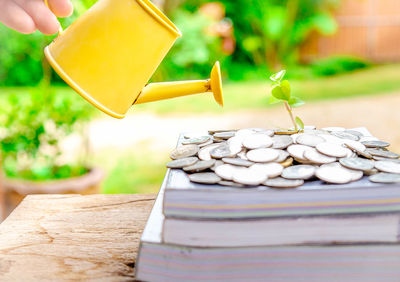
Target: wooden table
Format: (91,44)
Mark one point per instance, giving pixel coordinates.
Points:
(73,237)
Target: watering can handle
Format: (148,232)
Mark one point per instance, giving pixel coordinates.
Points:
(47,4)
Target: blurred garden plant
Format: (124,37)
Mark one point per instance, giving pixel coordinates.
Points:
(282,92)
(32,129)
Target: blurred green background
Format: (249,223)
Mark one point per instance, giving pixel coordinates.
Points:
(49,132)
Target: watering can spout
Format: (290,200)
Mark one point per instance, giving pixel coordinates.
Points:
(167,90)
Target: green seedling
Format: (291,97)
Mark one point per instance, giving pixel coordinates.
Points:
(282,92)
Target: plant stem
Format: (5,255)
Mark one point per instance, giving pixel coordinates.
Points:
(289,109)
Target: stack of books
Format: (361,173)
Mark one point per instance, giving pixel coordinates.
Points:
(317,232)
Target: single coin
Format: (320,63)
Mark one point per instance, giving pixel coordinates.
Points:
(288,162)
(283,155)
(245,132)
(281,141)
(299,172)
(205,178)
(271,170)
(383,153)
(217,164)
(268,132)
(181,163)
(334,129)
(297,151)
(204,153)
(385,178)
(200,166)
(387,166)
(354,132)
(230,184)
(248,176)
(257,140)
(316,157)
(224,135)
(184,151)
(309,139)
(345,135)
(368,138)
(209,142)
(280,182)
(376,144)
(237,162)
(371,172)
(386,159)
(332,150)
(355,145)
(355,174)
(334,175)
(226,171)
(357,163)
(222,151)
(197,140)
(263,155)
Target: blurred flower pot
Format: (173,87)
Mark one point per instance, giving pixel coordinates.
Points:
(17,189)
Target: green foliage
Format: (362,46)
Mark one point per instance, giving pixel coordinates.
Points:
(282,91)
(338,65)
(32,127)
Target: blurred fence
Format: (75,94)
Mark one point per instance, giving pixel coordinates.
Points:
(367,28)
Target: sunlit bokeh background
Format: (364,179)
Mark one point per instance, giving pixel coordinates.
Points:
(342,57)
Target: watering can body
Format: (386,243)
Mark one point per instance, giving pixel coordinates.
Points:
(109,54)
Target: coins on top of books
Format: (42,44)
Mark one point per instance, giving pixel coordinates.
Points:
(284,159)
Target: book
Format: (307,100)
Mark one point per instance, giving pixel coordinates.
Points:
(162,261)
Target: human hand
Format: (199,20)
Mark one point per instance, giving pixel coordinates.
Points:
(26,16)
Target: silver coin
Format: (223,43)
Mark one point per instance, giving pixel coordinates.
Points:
(257,140)
(376,144)
(383,153)
(249,176)
(245,132)
(355,145)
(354,132)
(237,162)
(387,166)
(230,184)
(385,178)
(345,135)
(355,174)
(217,164)
(200,166)
(268,132)
(283,155)
(209,142)
(299,172)
(222,151)
(334,175)
(386,159)
(205,178)
(263,155)
(224,135)
(271,170)
(297,151)
(197,140)
(332,150)
(368,138)
(181,163)
(281,141)
(226,171)
(357,163)
(184,151)
(204,153)
(280,182)
(309,139)
(334,128)
(316,157)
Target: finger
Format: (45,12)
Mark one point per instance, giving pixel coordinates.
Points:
(61,8)
(15,17)
(45,21)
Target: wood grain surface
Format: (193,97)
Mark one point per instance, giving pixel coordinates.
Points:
(73,237)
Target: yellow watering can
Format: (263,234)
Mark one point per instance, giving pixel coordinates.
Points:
(109,54)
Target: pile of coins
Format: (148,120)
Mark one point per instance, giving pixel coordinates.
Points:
(285,159)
